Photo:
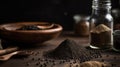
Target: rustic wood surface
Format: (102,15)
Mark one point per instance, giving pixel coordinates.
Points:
(36,59)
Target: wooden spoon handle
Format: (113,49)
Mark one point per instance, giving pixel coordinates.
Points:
(8,50)
(8,56)
(45,26)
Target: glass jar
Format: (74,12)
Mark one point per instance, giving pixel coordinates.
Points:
(116,16)
(81,26)
(116,45)
(101,25)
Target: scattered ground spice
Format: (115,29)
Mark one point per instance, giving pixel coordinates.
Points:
(69,49)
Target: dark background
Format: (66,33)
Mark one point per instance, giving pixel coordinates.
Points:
(57,11)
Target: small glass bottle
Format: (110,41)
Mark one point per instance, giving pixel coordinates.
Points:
(101,25)
(81,26)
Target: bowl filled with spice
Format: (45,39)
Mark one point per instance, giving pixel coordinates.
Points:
(29,32)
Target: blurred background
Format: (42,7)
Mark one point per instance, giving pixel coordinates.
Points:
(57,11)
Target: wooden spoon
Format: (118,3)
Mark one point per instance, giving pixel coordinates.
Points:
(17,53)
(8,50)
(8,56)
(46,26)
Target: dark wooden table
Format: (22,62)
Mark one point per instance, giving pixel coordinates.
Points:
(36,59)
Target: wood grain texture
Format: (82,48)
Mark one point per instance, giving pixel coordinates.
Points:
(36,59)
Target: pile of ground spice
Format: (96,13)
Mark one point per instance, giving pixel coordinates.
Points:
(69,49)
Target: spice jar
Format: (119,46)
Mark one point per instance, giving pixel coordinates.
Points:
(81,26)
(116,45)
(101,25)
(116,16)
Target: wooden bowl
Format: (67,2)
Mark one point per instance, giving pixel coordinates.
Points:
(10,32)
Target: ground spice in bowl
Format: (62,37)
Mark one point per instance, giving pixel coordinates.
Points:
(69,49)
(29,27)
